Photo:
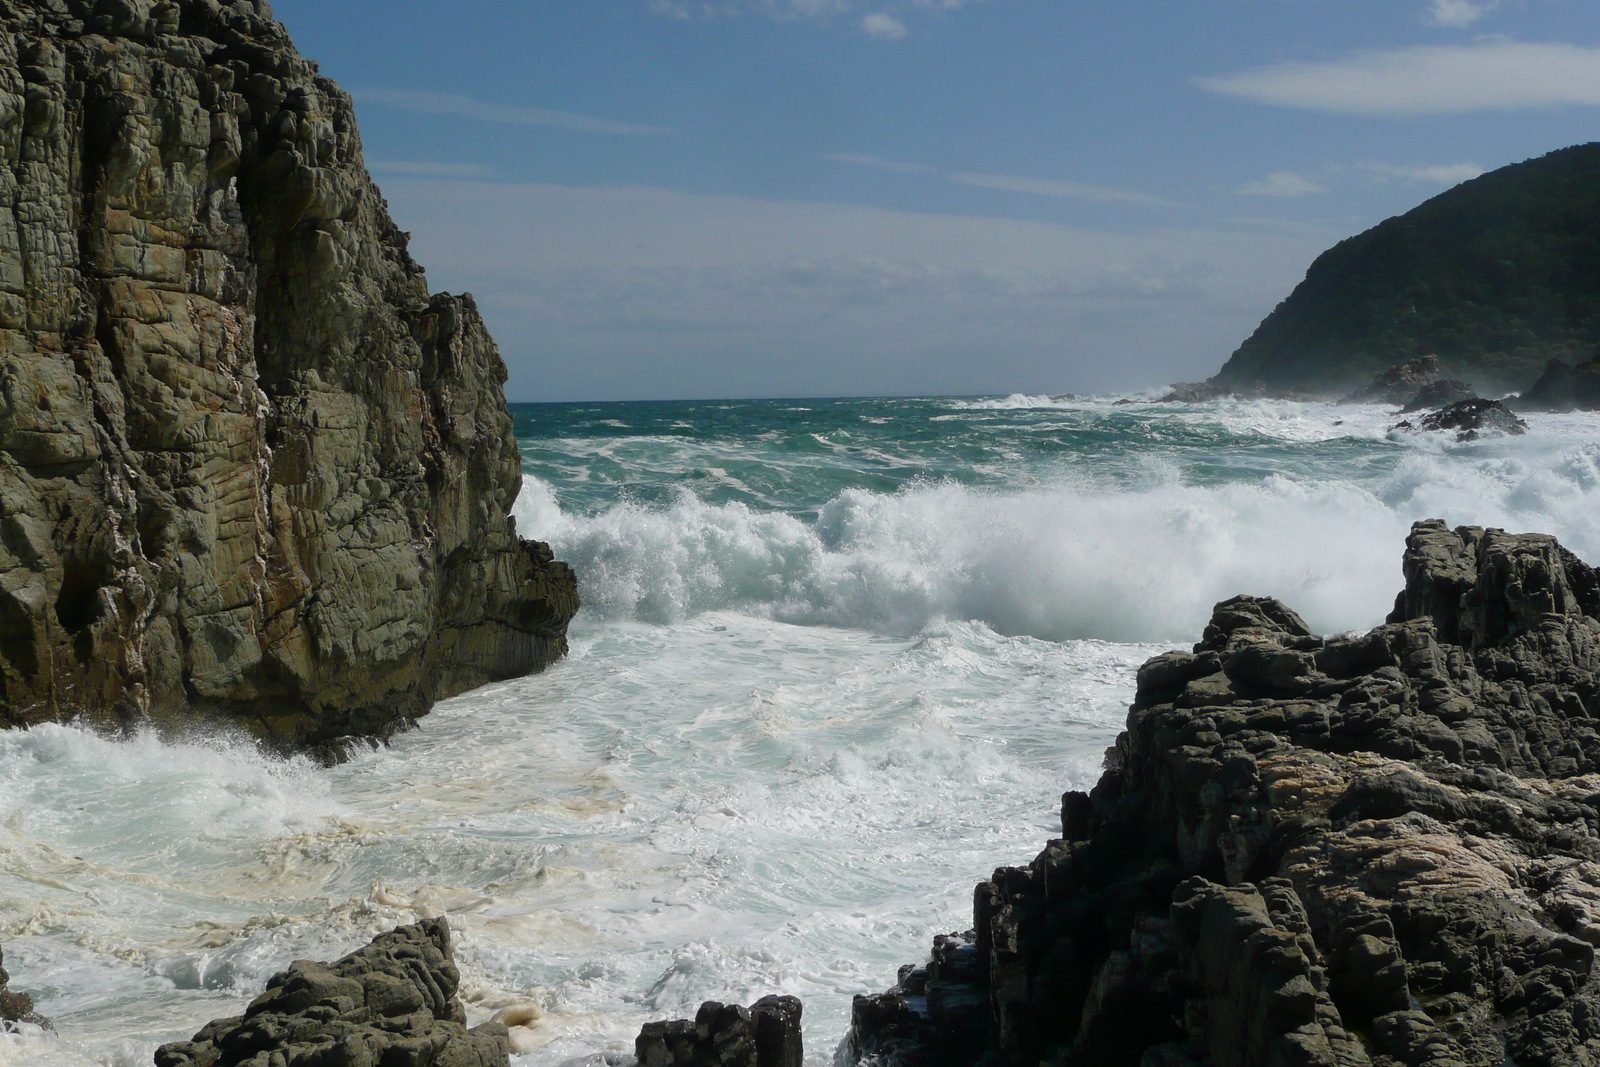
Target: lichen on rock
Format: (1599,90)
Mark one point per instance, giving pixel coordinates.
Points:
(249,466)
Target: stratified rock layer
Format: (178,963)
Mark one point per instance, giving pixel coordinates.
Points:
(248,465)
(392,1003)
(1380,849)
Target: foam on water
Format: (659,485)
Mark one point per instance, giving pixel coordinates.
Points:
(834,666)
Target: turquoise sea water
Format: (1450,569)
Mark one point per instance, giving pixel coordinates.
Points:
(837,660)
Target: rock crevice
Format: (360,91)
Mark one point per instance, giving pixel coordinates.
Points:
(1380,849)
(249,466)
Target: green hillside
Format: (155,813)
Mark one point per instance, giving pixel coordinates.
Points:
(1496,276)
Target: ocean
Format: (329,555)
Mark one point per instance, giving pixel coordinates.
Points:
(837,660)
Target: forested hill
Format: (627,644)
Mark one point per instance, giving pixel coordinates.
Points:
(1496,276)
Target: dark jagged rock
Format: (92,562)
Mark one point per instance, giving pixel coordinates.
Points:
(1468,420)
(1377,849)
(249,467)
(1497,276)
(1564,387)
(1399,384)
(766,1034)
(1442,393)
(392,1003)
(17,1007)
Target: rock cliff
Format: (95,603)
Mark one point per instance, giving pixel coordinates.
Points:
(249,467)
(1376,849)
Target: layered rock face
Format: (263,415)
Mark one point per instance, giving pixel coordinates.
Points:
(393,1003)
(248,465)
(1377,849)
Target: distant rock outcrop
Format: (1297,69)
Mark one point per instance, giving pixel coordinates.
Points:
(1497,276)
(249,467)
(1564,387)
(1398,385)
(1377,849)
(1469,420)
(391,1003)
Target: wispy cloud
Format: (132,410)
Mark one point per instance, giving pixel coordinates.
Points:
(1444,174)
(1283,183)
(1493,75)
(883,26)
(423,168)
(485,111)
(875,163)
(887,23)
(1459,14)
(1007,183)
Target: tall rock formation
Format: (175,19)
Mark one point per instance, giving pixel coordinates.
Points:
(1497,277)
(1366,849)
(249,467)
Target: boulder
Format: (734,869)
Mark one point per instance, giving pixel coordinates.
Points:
(1564,387)
(1378,848)
(1442,393)
(392,1003)
(766,1034)
(17,1007)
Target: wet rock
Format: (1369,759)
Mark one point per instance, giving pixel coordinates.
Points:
(766,1034)
(1563,387)
(1468,420)
(1442,393)
(249,467)
(392,1003)
(1379,848)
(17,1007)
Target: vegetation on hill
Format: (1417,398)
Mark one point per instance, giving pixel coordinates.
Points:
(1497,276)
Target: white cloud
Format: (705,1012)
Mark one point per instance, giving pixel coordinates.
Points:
(1285,184)
(1459,14)
(639,291)
(484,111)
(1052,187)
(860,160)
(1492,75)
(883,26)
(1441,174)
(1007,183)
(422,168)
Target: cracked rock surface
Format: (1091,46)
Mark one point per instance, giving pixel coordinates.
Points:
(249,466)
(1376,849)
(392,1003)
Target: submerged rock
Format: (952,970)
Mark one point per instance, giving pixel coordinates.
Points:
(1366,849)
(766,1034)
(17,1007)
(393,1002)
(1469,420)
(249,467)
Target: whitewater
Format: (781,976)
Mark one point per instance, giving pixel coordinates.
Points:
(837,660)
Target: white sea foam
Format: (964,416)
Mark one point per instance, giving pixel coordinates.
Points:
(1068,560)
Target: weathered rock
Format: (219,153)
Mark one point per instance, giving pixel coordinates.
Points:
(766,1034)
(391,1003)
(1400,384)
(1376,849)
(1564,387)
(249,467)
(1442,393)
(17,1007)
(1469,420)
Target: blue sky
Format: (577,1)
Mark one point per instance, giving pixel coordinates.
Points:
(707,198)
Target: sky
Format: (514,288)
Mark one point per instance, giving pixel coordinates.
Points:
(661,199)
